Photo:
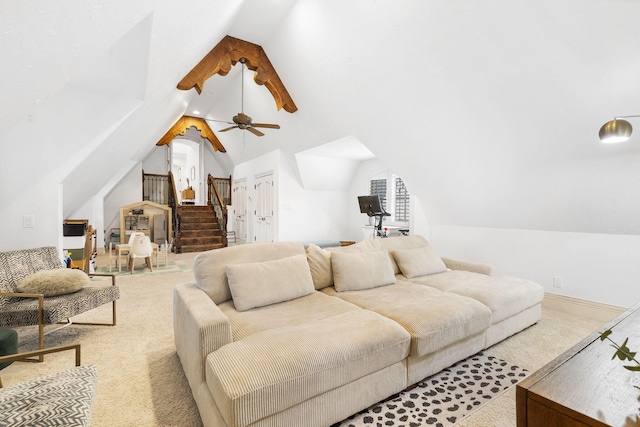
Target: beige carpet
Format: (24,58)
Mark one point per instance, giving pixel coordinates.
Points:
(141,383)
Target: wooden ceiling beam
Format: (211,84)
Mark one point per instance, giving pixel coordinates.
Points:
(225,55)
(185,122)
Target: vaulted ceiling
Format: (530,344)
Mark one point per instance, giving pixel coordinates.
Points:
(489,110)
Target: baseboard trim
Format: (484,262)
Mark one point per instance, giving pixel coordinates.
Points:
(582,308)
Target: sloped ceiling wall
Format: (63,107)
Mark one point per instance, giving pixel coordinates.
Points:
(489,110)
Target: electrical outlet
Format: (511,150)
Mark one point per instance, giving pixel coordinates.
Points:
(28,221)
(557,282)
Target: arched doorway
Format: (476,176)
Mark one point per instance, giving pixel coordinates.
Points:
(186,167)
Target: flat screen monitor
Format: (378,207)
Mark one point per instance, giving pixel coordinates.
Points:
(370,205)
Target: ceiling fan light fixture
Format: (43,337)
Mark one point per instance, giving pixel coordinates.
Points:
(241,120)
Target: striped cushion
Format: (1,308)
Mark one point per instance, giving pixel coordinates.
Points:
(57,309)
(16,265)
(63,399)
(273,370)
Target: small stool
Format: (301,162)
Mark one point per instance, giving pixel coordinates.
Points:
(8,345)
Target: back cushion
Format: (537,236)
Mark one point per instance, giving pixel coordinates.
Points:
(357,271)
(210,268)
(401,242)
(16,265)
(419,262)
(257,284)
(319,260)
(320,265)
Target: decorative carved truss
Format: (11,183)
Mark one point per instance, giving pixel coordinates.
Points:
(225,55)
(184,123)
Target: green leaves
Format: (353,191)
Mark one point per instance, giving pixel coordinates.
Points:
(604,335)
(622,351)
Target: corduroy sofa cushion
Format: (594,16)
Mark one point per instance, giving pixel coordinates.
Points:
(209,268)
(392,244)
(319,260)
(257,284)
(273,370)
(361,270)
(504,295)
(418,261)
(433,318)
(302,310)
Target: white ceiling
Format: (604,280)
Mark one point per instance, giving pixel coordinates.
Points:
(489,110)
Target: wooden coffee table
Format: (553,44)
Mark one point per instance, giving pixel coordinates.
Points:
(584,386)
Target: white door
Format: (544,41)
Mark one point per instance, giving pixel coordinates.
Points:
(264,208)
(239,198)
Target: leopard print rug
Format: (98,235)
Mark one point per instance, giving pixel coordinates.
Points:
(444,398)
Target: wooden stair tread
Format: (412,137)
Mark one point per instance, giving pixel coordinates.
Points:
(199,229)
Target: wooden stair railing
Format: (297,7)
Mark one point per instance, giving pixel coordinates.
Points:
(162,189)
(173,204)
(218,196)
(156,188)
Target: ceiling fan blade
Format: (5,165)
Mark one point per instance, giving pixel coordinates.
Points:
(254,131)
(265,125)
(229,128)
(220,121)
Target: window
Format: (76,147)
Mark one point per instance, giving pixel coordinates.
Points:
(397,194)
(402,201)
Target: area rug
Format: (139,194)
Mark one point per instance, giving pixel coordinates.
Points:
(444,398)
(141,268)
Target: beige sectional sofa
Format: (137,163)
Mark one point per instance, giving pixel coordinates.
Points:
(273,334)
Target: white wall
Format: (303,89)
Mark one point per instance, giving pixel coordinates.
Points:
(128,191)
(31,179)
(594,267)
(309,215)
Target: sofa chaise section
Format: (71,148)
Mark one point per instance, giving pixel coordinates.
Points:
(261,379)
(515,303)
(436,321)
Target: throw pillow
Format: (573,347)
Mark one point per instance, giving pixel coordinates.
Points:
(257,284)
(419,262)
(320,265)
(59,281)
(356,271)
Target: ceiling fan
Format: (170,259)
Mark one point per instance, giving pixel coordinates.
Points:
(241,120)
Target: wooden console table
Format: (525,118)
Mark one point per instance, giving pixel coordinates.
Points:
(584,386)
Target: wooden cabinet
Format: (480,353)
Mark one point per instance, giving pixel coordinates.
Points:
(584,386)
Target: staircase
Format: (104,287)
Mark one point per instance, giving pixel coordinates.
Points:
(198,229)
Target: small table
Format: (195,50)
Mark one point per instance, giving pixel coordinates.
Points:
(124,248)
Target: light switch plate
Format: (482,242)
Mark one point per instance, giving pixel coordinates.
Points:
(28,221)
